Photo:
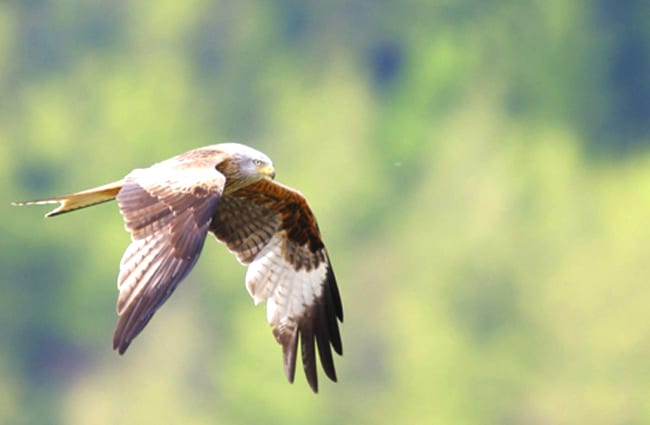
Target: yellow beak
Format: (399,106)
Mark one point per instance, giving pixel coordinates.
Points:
(268,171)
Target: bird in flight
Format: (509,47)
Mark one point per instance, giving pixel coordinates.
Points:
(228,190)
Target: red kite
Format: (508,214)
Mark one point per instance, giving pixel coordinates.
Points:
(228,190)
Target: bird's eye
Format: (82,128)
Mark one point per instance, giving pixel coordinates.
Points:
(257,162)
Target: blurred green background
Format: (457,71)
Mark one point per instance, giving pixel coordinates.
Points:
(480,172)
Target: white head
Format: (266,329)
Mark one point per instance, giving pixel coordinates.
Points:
(243,165)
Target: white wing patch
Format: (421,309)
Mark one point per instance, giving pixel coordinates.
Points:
(289,291)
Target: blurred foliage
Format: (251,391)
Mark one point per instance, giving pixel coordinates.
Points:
(480,172)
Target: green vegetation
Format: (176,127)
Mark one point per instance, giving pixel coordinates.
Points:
(480,172)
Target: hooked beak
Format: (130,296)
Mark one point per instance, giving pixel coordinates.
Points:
(268,171)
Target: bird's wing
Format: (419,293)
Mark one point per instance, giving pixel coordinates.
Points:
(168,209)
(271,227)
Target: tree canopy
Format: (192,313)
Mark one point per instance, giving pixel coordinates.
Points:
(479,170)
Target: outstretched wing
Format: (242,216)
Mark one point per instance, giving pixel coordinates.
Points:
(271,228)
(168,209)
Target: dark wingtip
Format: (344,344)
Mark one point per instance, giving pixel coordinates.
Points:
(319,330)
(334,296)
(333,301)
(119,344)
(307,343)
(323,339)
(125,331)
(290,358)
(289,343)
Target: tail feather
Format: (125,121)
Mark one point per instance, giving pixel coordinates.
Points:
(75,201)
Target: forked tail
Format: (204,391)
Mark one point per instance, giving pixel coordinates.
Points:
(75,201)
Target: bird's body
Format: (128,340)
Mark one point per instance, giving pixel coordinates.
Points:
(227,190)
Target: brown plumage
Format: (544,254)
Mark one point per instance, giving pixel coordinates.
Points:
(228,190)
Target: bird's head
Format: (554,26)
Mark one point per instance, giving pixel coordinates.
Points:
(244,165)
(253,163)
(263,166)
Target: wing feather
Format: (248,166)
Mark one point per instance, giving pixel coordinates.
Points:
(308,352)
(168,210)
(271,228)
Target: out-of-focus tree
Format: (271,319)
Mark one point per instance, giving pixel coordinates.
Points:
(491,251)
